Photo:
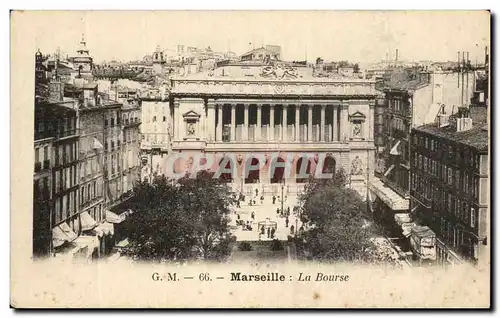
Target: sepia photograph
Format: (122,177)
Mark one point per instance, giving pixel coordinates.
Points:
(250,159)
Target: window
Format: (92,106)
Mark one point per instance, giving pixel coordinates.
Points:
(466,183)
(118,119)
(106,146)
(118,141)
(476,187)
(457,179)
(154,119)
(94,185)
(164,118)
(106,122)
(112,121)
(82,195)
(450,176)
(37,154)
(88,192)
(450,199)
(472,217)
(112,145)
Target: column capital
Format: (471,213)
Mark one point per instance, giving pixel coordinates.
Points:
(176,103)
(344,104)
(210,103)
(271,105)
(372,103)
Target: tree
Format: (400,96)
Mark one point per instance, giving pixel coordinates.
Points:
(355,68)
(183,220)
(336,221)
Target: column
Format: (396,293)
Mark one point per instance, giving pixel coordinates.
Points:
(177,119)
(285,124)
(233,122)
(344,121)
(335,124)
(271,122)
(210,122)
(219,124)
(245,128)
(309,122)
(371,120)
(297,122)
(259,121)
(322,125)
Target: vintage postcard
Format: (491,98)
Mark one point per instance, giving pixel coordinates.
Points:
(250,159)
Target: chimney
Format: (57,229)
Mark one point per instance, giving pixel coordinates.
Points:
(397,54)
(443,118)
(464,122)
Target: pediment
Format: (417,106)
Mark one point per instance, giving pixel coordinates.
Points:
(357,116)
(191,114)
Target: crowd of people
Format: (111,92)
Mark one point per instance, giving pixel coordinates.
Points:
(264,230)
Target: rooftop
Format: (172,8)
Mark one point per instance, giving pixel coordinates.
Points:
(262,73)
(476,137)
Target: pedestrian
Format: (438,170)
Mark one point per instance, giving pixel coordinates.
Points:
(250,203)
(262,230)
(238,216)
(273,230)
(274,199)
(254,202)
(278,211)
(288,209)
(256,192)
(286,221)
(301,228)
(268,232)
(253,215)
(292,228)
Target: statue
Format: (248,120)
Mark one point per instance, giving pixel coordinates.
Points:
(356,130)
(191,129)
(356,168)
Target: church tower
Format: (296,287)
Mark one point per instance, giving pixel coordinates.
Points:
(83,62)
(158,61)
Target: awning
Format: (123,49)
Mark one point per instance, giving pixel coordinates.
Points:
(105,228)
(122,243)
(388,171)
(90,243)
(62,234)
(402,218)
(386,194)
(96,144)
(394,150)
(88,223)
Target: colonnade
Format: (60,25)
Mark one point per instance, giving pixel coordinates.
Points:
(333,124)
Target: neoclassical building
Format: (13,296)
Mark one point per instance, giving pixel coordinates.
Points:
(281,108)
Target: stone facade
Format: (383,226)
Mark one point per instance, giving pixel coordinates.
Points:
(281,112)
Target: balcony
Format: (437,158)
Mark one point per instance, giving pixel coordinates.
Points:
(427,203)
(395,187)
(67,133)
(38,166)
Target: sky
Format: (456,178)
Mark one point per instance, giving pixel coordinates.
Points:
(361,36)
